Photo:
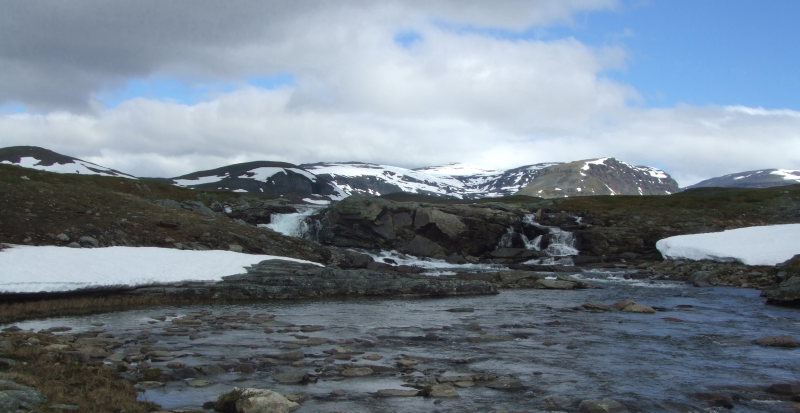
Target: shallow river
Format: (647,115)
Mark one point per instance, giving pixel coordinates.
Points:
(698,346)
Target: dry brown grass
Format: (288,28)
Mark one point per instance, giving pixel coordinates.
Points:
(68,306)
(92,388)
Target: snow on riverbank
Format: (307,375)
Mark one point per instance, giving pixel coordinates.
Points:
(765,245)
(28,269)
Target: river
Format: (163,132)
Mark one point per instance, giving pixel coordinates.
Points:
(697,348)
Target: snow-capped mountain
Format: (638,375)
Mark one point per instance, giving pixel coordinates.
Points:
(259,177)
(337,180)
(46,160)
(763,178)
(604,176)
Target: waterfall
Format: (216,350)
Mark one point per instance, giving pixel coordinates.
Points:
(295,224)
(560,244)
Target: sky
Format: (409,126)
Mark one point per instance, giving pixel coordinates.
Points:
(698,88)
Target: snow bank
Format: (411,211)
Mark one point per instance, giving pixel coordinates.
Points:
(766,245)
(26,269)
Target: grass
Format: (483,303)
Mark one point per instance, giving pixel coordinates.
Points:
(64,380)
(43,307)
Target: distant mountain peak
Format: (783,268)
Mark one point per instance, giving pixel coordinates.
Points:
(762,178)
(35,157)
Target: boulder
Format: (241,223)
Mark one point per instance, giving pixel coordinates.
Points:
(786,293)
(250,400)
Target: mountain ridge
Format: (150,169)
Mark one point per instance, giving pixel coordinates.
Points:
(331,181)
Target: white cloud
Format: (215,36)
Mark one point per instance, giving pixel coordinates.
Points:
(452,96)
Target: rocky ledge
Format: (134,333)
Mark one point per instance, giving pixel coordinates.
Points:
(276,279)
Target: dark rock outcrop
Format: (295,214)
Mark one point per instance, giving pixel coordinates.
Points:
(277,279)
(448,231)
(787,292)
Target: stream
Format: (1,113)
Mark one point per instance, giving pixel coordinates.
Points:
(698,346)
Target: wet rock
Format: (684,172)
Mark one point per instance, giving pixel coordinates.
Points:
(785,389)
(630,306)
(199,383)
(357,372)
(602,406)
(442,390)
(787,292)
(149,384)
(372,357)
(505,383)
(17,397)
(407,362)
(595,307)
(461,310)
(397,393)
(784,341)
(294,377)
(250,400)
(290,355)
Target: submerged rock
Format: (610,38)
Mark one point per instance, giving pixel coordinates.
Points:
(602,406)
(778,341)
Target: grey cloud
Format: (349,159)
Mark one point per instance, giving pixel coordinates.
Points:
(91,45)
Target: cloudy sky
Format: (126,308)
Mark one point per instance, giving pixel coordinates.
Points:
(699,88)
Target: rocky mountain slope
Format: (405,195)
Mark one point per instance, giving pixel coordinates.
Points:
(604,176)
(46,160)
(763,178)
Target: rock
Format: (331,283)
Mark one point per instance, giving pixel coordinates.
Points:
(250,400)
(397,393)
(784,341)
(372,357)
(293,377)
(442,390)
(199,383)
(62,237)
(702,279)
(786,293)
(73,245)
(407,362)
(785,389)
(149,384)
(357,372)
(461,310)
(595,307)
(505,383)
(90,241)
(631,306)
(602,406)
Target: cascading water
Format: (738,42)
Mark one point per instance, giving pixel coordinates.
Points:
(560,244)
(295,224)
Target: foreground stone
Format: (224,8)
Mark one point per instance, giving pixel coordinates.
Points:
(251,400)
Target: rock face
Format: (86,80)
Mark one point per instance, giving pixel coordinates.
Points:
(605,176)
(454,232)
(275,279)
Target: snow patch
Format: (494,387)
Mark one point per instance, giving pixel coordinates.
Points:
(787,174)
(29,269)
(762,245)
(76,167)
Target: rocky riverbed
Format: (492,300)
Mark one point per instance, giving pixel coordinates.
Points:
(634,344)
